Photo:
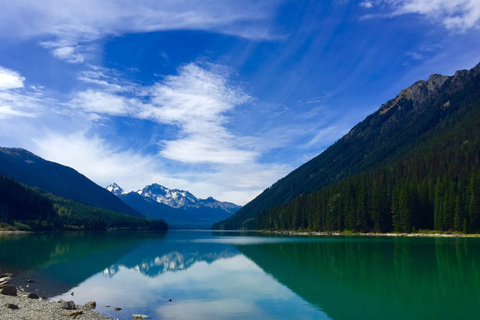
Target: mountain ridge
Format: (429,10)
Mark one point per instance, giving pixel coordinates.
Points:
(382,137)
(27,168)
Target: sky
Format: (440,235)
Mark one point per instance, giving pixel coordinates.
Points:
(220,98)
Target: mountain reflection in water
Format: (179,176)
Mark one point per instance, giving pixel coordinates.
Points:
(239,276)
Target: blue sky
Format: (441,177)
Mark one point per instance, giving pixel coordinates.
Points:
(221,98)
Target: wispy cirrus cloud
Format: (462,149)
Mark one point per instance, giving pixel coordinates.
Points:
(15,99)
(74,26)
(455,15)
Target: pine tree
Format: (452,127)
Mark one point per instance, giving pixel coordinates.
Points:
(458,220)
(473,193)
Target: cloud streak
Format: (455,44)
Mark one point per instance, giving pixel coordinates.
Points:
(455,15)
(73,26)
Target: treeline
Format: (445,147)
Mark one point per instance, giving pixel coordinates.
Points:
(24,208)
(435,187)
(73,215)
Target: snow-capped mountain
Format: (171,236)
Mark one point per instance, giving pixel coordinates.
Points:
(115,189)
(171,197)
(180,198)
(179,208)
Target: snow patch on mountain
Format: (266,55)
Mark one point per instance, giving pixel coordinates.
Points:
(115,189)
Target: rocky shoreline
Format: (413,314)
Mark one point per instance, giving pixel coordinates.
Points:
(16,303)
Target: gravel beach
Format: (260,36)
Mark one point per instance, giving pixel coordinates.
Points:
(39,309)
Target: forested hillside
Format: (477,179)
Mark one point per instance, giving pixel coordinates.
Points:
(20,203)
(425,139)
(24,208)
(33,171)
(436,186)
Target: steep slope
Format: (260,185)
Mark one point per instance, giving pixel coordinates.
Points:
(31,170)
(383,137)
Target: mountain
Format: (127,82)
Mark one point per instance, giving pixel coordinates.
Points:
(183,199)
(115,189)
(31,170)
(407,127)
(179,208)
(171,197)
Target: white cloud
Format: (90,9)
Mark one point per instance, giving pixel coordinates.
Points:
(8,111)
(455,15)
(15,99)
(366,4)
(415,55)
(99,161)
(68,54)
(103,102)
(73,25)
(211,149)
(327,135)
(10,79)
(195,100)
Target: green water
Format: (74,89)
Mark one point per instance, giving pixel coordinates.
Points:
(247,276)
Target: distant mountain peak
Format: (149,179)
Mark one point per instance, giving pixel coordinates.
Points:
(115,189)
(174,198)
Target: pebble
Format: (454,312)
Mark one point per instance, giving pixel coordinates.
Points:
(68,305)
(117,308)
(12,306)
(9,290)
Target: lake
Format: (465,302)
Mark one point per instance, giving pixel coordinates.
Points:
(230,275)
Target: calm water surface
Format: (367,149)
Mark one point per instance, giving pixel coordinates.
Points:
(246,276)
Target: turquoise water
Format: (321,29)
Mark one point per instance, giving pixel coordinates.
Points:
(246,276)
